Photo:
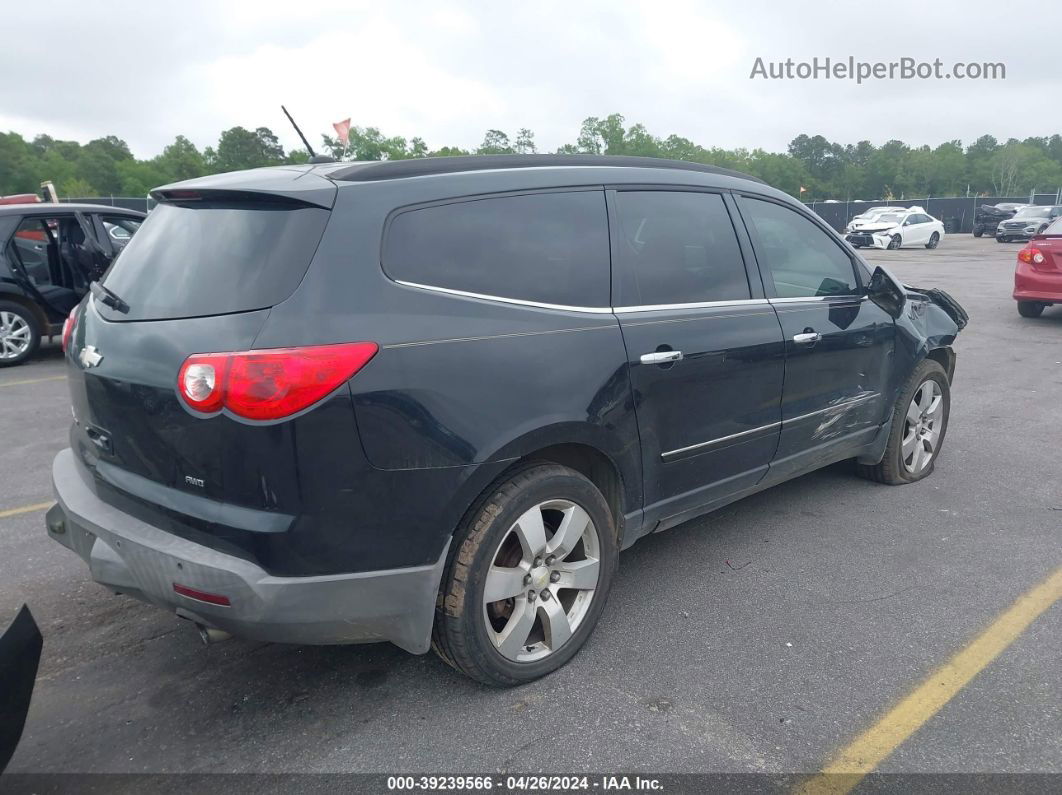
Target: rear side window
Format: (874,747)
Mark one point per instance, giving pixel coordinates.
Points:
(676,248)
(213,258)
(799,257)
(549,248)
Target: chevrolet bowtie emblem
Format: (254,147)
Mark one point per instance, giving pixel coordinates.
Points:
(90,357)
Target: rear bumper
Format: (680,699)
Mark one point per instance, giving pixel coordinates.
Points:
(133,557)
(1040,286)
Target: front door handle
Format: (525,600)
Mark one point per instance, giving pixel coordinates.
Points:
(661,357)
(807,338)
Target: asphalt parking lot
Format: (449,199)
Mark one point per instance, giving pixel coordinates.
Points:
(762,638)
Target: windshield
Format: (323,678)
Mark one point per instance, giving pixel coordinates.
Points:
(1034,212)
(213,258)
(887,218)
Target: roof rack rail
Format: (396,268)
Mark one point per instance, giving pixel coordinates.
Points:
(424,166)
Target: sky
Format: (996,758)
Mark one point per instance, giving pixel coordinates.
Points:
(448,71)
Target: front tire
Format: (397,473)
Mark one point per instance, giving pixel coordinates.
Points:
(895,242)
(934,241)
(919,423)
(1031,308)
(533,565)
(20,335)
(978,231)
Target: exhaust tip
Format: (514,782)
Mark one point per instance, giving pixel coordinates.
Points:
(211,635)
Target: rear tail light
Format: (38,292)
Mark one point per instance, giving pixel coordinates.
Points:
(68,329)
(269,384)
(1031,255)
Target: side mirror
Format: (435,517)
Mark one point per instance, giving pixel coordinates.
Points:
(886,292)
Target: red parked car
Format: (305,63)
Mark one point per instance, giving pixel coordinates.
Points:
(1038,276)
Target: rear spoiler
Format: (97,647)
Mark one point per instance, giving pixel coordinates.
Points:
(279,184)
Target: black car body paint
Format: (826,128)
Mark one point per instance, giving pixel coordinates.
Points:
(376,477)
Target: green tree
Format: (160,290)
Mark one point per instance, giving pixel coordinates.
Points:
(181,160)
(239,148)
(525,142)
(495,142)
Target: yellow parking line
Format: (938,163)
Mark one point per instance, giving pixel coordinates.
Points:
(37,506)
(867,751)
(32,380)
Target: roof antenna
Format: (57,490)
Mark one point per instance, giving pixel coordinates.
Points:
(314,157)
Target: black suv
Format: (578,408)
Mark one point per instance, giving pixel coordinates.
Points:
(988,217)
(429,401)
(49,255)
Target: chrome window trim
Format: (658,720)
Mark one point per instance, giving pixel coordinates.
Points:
(802,299)
(692,305)
(720,440)
(597,310)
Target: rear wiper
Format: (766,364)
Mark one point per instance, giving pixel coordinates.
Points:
(108,297)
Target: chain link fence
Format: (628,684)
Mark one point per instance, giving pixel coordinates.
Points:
(957,213)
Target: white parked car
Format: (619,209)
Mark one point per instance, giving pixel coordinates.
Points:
(899,227)
(868,214)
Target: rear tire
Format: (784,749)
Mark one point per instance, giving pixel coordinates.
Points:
(20,334)
(934,240)
(919,425)
(978,231)
(1031,308)
(544,541)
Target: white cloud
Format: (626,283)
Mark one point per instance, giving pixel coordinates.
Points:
(447,71)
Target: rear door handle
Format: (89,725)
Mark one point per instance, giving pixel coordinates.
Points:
(807,338)
(661,357)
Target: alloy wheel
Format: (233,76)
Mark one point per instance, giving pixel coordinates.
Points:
(923,425)
(15,335)
(542,580)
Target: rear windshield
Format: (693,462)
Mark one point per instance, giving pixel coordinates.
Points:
(193,260)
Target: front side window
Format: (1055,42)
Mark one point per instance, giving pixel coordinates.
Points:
(548,248)
(799,257)
(676,247)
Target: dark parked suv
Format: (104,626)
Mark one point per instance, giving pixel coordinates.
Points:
(429,401)
(49,254)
